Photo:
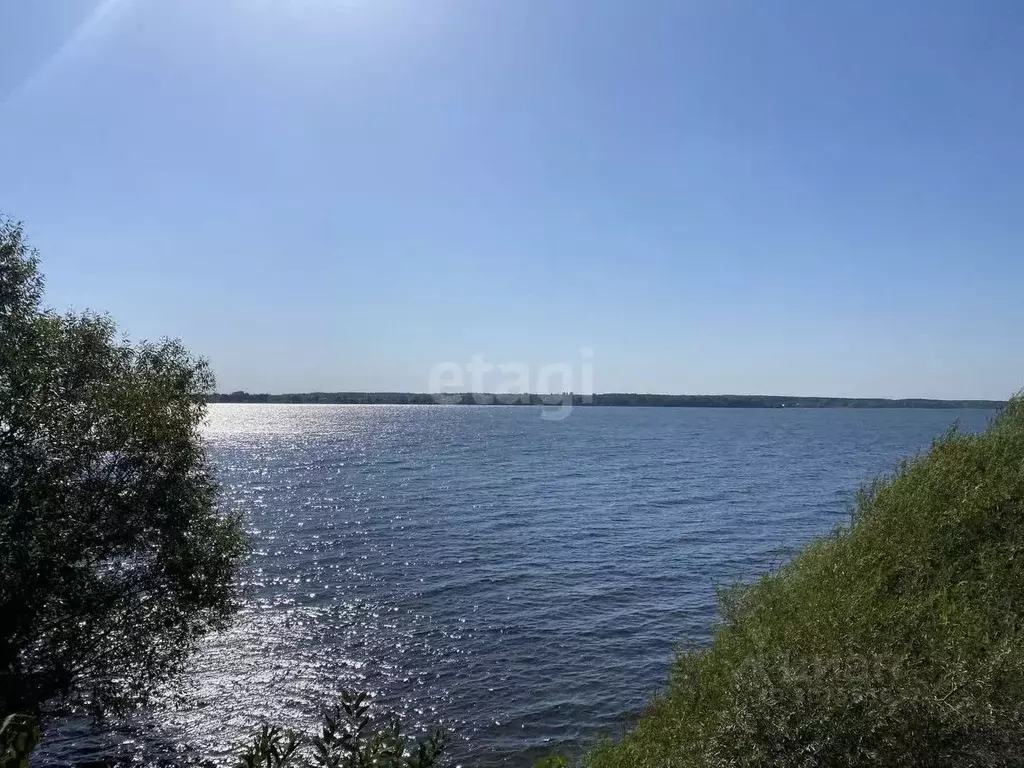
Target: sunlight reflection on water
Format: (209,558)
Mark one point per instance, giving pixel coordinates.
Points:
(519,580)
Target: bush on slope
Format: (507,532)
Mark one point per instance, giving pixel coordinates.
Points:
(895,641)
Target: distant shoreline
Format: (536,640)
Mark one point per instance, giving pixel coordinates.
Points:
(606,399)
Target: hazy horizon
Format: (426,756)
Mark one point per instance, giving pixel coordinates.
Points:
(713,197)
(221,391)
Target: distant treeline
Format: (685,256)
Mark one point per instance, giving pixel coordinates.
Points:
(614,398)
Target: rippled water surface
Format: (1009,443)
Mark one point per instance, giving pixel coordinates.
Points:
(522,581)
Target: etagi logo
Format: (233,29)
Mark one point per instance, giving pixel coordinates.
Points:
(558,385)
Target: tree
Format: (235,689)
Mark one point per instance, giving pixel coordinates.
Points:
(114,560)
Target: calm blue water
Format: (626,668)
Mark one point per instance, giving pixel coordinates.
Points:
(521,581)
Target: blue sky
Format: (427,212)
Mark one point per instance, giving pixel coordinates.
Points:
(752,197)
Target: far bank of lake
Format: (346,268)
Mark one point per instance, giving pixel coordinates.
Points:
(606,399)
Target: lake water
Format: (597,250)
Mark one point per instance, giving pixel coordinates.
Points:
(521,581)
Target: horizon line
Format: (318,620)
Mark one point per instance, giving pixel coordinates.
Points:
(575,395)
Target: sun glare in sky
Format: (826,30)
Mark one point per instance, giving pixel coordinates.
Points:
(92,28)
(708,194)
(391,24)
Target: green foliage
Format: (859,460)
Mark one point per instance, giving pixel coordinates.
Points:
(896,641)
(113,558)
(348,738)
(19,735)
(553,761)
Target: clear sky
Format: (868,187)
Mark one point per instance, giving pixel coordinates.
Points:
(811,198)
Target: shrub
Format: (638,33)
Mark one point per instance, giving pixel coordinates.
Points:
(113,557)
(348,738)
(895,641)
(19,736)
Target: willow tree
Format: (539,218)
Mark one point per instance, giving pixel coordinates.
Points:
(114,559)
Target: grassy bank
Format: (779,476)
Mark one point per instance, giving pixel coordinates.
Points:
(896,641)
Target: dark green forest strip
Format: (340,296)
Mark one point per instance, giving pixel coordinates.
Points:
(607,399)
